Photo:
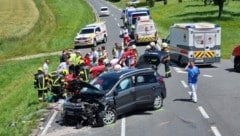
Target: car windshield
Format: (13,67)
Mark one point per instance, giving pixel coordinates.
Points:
(135,16)
(104,9)
(104,83)
(146,28)
(87,31)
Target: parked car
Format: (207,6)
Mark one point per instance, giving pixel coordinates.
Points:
(236,58)
(104,11)
(115,93)
(151,59)
(92,34)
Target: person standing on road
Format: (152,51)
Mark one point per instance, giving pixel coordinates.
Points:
(193,72)
(166,60)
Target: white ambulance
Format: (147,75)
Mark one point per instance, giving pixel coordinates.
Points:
(145,31)
(198,42)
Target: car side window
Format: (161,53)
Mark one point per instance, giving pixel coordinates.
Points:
(98,29)
(145,79)
(151,78)
(124,84)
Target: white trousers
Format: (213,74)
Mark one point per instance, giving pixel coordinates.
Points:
(193,89)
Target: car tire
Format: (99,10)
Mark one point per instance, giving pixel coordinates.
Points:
(158,102)
(181,61)
(237,64)
(109,116)
(105,39)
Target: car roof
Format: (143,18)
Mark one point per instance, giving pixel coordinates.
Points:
(103,7)
(95,24)
(125,72)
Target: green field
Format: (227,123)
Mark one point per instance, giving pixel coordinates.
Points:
(56,26)
(52,25)
(195,11)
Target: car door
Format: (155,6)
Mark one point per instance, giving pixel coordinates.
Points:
(98,34)
(145,86)
(125,98)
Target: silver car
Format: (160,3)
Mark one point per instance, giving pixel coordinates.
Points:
(104,11)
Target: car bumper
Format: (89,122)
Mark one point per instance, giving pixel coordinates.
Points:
(104,14)
(146,39)
(83,43)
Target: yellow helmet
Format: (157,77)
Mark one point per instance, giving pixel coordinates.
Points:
(65,72)
(40,69)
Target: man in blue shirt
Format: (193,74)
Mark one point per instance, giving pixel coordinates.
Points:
(193,72)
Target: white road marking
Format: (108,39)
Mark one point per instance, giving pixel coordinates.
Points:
(184,84)
(215,131)
(115,18)
(123,127)
(182,72)
(44,132)
(207,75)
(179,70)
(118,24)
(203,112)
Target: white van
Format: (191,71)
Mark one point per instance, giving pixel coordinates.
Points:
(92,34)
(198,42)
(145,31)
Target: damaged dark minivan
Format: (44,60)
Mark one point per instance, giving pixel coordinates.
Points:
(114,93)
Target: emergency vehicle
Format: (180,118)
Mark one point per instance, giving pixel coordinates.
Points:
(236,58)
(198,42)
(92,34)
(145,31)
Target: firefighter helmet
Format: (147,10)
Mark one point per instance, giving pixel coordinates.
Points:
(65,72)
(164,45)
(40,69)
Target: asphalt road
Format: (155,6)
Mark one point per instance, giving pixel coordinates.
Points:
(217,112)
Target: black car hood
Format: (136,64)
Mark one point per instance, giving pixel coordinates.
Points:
(88,90)
(151,59)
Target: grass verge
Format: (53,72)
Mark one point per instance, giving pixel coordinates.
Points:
(58,23)
(19,106)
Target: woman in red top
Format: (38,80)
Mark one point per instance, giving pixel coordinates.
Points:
(87,60)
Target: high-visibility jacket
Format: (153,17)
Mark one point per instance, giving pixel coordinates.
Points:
(40,81)
(76,60)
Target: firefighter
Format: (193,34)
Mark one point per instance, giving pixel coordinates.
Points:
(58,83)
(77,61)
(166,60)
(41,84)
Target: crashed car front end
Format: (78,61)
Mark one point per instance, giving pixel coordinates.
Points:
(80,111)
(85,107)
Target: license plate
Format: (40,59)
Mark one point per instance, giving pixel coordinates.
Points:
(199,60)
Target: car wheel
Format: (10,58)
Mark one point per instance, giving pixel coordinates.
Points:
(237,64)
(158,102)
(109,116)
(181,61)
(105,39)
